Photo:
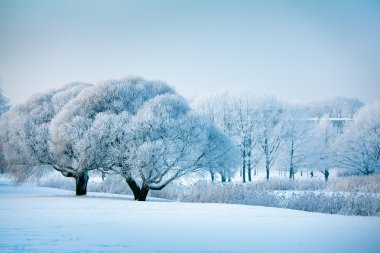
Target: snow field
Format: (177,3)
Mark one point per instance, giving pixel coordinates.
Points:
(36,219)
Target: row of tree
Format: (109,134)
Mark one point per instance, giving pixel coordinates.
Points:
(141,130)
(335,132)
(146,133)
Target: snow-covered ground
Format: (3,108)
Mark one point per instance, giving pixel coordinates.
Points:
(37,219)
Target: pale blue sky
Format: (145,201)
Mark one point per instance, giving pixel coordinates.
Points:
(298,50)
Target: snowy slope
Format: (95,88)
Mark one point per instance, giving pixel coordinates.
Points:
(36,219)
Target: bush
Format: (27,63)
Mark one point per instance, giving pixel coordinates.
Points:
(349,196)
(259,195)
(365,184)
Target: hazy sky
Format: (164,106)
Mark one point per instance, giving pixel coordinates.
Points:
(298,50)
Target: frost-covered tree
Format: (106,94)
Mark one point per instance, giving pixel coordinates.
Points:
(4,103)
(322,142)
(168,142)
(358,147)
(234,113)
(243,125)
(75,127)
(269,130)
(297,138)
(335,107)
(339,111)
(25,133)
(4,107)
(221,155)
(155,144)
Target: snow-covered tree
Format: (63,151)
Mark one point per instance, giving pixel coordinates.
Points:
(234,113)
(358,147)
(221,155)
(335,107)
(77,122)
(296,148)
(243,131)
(321,144)
(4,103)
(4,107)
(339,111)
(168,142)
(25,133)
(269,130)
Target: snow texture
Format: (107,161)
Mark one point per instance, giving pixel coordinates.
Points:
(36,219)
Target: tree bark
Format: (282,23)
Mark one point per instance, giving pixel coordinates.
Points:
(81,183)
(243,169)
(291,172)
(212,174)
(291,166)
(223,177)
(143,193)
(134,187)
(249,170)
(326,174)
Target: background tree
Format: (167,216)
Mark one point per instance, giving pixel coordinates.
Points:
(297,129)
(335,107)
(4,103)
(4,107)
(322,142)
(358,147)
(269,130)
(234,114)
(221,155)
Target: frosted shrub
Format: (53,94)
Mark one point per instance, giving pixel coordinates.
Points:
(277,184)
(259,195)
(56,181)
(356,184)
(111,184)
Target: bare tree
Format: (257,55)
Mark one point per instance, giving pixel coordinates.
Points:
(269,130)
(297,139)
(234,113)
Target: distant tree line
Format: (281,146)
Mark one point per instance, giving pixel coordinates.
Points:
(146,133)
(334,132)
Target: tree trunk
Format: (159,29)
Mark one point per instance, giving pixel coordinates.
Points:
(223,177)
(249,171)
(143,193)
(291,172)
(243,169)
(291,165)
(326,174)
(212,174)
(81,183)
(267,167)
(134,187)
